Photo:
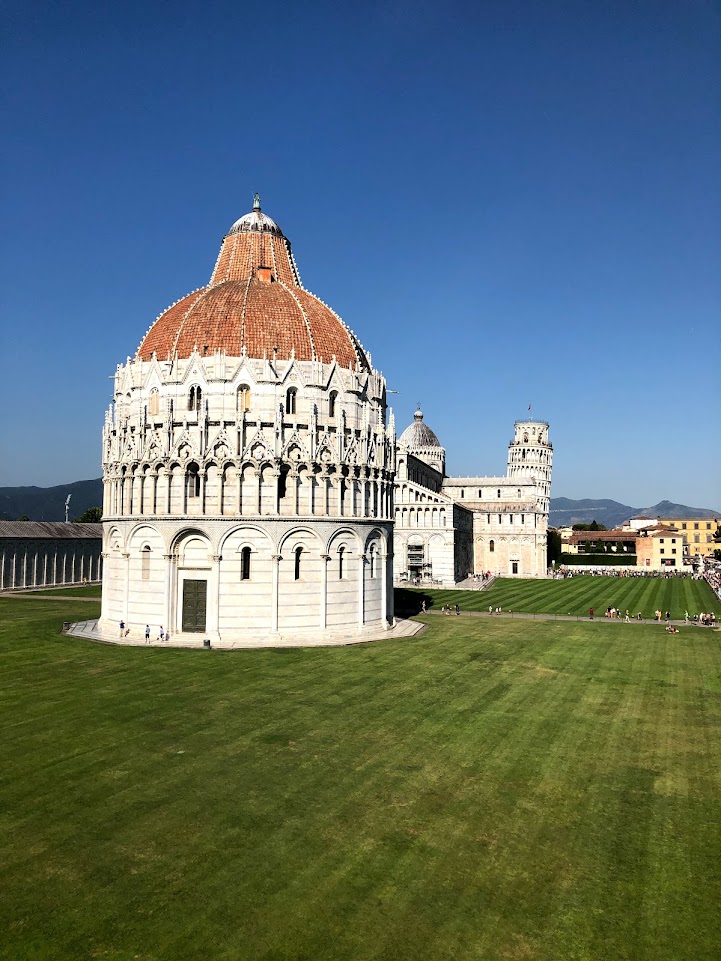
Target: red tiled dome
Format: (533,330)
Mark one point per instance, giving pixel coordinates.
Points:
(254,300)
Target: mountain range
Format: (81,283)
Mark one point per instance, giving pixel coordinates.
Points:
(48,504)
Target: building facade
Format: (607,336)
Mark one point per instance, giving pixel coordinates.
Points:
(697,533)
(449,527)
(659,549)
(249,461)
(45,554)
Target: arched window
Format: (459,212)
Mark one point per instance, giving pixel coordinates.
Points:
(145,563)
(154,402)
(290,398)
(245,564)
(372,562)
(193,481)
(491,546)
(341,552)
(243,398)
(463,493)
(194,398)
(296,572)
(331,403)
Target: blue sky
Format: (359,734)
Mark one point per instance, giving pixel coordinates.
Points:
(510,203)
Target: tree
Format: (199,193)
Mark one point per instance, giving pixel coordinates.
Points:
(23,517)
(593,526)
(553,546)
(93,515)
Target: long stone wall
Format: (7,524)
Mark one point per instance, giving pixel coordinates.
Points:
(49,562)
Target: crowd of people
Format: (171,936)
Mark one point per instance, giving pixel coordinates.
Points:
(564,572)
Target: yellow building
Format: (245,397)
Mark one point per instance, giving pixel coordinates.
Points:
(697,533)
(659,548)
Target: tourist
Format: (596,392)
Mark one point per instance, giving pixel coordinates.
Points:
(161,635)
(423,607)
(668,616)
(458,610)
(122,628)
(590,614)
(147,633)
(627,618)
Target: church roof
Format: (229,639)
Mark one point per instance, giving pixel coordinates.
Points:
(418,434)
(255,300)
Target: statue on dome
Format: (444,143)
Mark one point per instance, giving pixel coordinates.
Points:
(256,202)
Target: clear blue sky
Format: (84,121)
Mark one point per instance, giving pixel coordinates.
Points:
(509,202)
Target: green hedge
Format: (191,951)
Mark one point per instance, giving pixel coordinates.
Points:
(619,560)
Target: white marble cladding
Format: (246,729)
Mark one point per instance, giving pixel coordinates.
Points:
(261,577)
(219,436)
(246,496)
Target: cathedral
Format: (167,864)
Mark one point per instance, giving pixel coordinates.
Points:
(253,480)
(449,527)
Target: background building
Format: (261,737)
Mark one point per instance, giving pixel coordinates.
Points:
(45,554)
(697,533)
(449,527)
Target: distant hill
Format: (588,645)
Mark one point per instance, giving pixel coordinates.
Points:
(48,504)
(565,511)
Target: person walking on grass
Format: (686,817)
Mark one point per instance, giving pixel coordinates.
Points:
(590,614)
(627,618)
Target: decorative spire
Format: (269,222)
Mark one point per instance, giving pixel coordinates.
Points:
(256,202)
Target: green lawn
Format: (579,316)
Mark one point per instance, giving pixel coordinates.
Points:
(576,595)
(89,590)
(492,789)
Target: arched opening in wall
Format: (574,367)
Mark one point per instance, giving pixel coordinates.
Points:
(243,398)
(332,398)
(195,397)
(154,402)
(283,482)
(463,493)
(245,564)
(192,481)
(290,400)
(341,558)
(296,569)
(372,561)
(491,547)
(145,563)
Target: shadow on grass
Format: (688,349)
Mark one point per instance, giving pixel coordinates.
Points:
(408,602)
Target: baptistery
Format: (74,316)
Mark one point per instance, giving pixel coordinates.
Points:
(248,462)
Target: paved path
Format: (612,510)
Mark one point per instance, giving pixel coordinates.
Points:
(403,628)
(567,617)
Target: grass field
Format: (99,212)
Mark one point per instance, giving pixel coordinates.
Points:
(89,590)
(576,595)
(492,789)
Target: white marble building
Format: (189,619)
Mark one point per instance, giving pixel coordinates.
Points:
(248,462)
(449,527)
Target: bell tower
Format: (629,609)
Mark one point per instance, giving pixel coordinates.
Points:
(530,455)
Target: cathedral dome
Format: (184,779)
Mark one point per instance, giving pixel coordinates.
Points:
(255,302)
(418,434)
